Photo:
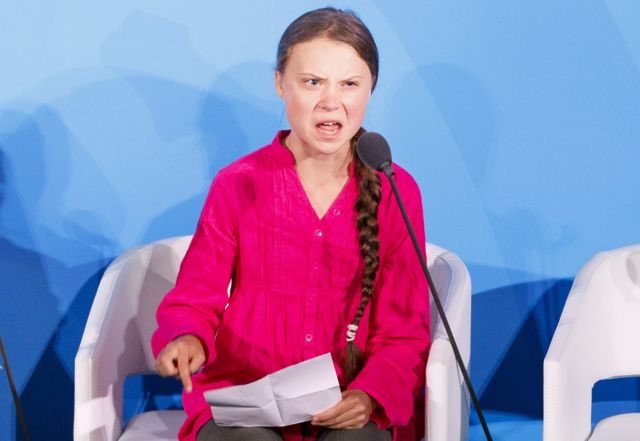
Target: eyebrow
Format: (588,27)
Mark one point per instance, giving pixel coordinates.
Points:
(309,74)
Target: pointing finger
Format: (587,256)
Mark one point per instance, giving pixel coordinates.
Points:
(183,371)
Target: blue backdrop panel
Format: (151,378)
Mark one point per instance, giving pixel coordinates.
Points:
(520,122)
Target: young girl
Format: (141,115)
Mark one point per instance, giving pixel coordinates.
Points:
(318,256)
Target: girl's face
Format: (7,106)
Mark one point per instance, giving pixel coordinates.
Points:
(325,86)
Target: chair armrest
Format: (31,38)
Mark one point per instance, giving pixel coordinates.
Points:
(567,394)
(570,370)
(447,395)
(571,366)
(101,366)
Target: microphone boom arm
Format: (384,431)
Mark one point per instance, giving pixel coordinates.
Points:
(388,171)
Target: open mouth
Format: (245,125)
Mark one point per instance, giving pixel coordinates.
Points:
(328,128)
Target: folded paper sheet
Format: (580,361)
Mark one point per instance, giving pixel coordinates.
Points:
(289,396)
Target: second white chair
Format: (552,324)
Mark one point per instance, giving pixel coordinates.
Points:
(596,339)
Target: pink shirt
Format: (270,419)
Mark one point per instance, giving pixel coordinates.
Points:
(296,287)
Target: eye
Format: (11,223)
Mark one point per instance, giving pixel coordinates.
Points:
(351,84)
(312,82)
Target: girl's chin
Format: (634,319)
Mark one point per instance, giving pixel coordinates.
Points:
(323,143)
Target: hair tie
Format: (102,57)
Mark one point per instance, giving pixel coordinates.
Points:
(351,332)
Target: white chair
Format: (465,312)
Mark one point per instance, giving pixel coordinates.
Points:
(115,344)
(596,339)
(447,417)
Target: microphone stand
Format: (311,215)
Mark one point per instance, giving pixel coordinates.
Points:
(388,171)
(14,393)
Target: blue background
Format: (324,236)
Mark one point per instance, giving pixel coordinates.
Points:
(519,120)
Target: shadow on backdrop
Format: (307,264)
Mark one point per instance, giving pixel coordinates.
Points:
(30,309)
(515,385)
(231,123)
(21,272)
(53,254)
(44,328)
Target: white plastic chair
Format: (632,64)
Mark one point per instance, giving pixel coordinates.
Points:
(447,406)
(115,344)
(596,339)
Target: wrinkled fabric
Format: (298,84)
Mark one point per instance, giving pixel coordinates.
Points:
(296,285)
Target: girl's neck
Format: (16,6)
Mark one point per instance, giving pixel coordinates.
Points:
(319,169)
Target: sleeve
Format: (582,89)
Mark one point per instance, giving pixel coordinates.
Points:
(196,303)
(399,338)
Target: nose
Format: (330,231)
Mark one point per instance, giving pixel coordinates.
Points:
(330,99)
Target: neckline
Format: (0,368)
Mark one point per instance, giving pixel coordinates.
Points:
(337,202)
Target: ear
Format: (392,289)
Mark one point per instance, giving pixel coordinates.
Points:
(278,84)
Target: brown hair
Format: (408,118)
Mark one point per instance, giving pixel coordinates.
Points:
(346,27)
(334,24)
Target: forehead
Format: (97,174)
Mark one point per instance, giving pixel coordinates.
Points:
(325,56)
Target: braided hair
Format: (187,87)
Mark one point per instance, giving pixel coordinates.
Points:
(367,224)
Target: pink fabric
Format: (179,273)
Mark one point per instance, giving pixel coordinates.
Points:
(296,286)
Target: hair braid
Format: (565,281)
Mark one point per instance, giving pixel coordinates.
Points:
(367,223)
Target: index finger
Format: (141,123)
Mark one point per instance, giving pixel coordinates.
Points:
(184,372)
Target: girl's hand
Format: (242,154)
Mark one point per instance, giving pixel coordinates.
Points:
(352,412)
(180,358)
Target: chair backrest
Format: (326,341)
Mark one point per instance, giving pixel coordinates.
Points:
(604,309)
(130,291)
(161,262)
(450,275)
(437,265)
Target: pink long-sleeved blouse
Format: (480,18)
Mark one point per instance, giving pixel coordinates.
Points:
(296,285)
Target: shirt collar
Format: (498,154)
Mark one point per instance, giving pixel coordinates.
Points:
(285,157)
(281,153)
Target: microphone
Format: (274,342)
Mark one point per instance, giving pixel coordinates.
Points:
(374,151)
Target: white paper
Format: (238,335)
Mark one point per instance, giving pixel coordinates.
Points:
(289,396)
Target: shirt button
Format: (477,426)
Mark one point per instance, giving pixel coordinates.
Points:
(336,212)
(315,267)
(318,233)
(308,338)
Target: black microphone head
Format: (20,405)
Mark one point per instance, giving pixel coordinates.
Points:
(374,150)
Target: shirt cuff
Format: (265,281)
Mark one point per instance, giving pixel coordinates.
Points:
(164,335)
(379,415)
